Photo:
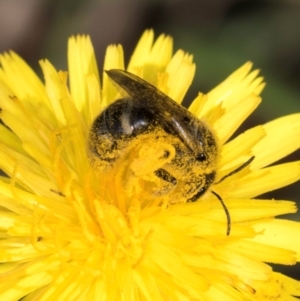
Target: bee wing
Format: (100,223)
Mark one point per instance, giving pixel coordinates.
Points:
(146,95)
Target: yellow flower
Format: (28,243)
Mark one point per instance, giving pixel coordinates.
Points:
(70,232)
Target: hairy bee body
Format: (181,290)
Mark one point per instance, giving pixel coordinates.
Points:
(164,145)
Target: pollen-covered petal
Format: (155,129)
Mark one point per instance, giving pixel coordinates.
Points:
(263,180)
(114,59)
(237,86)
(282,137)
(82,68)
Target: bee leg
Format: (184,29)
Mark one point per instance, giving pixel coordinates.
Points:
(166,176)
(209,179)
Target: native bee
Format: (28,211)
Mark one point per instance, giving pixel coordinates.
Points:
(177,153)
(186,149)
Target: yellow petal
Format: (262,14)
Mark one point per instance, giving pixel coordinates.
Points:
(245,210)
(238,85)
(282,137)
(264,180)
(263,252)
(114,59)
(142,50)
(10,140)
(227,124)
(150,58)
(83,66)
(197,104)
(279,233)
(234,152)
(69,232)
(181,71)
(55,90)
(21,80)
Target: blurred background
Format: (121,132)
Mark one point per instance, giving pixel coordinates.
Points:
(222,35)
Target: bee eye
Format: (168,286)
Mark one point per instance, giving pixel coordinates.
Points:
(201,157)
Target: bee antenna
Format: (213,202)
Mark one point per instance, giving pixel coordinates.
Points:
(226,212)
(236,170)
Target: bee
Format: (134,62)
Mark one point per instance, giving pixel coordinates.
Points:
(178,152)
